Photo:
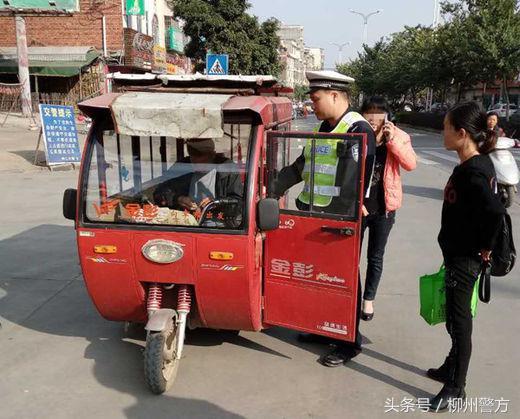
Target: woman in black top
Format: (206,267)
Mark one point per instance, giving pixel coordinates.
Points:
(471,217)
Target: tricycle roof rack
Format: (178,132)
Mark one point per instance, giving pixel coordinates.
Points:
(198,83)
(161,104)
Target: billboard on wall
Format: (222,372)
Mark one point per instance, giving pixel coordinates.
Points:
(58,5)
(139,50)
(143,53)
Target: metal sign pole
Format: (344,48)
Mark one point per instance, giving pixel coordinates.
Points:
(38,147)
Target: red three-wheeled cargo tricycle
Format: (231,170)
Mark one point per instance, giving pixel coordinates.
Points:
(178,223)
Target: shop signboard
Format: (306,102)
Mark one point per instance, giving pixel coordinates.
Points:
(159,62)
(139,49)
(177,64)
(135,7)
(70,6)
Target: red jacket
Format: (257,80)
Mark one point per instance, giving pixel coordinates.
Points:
(400,154)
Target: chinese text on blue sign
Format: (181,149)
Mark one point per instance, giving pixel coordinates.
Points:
(60,134)
(217,64)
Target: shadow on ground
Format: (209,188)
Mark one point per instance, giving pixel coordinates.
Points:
(424,192)
(319,349)
(28,155)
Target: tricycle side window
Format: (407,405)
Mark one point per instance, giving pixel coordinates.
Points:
(198,182)
(315,174)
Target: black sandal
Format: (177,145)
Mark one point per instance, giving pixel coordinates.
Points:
(366,316)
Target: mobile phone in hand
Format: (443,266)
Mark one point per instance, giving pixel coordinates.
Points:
(384,124)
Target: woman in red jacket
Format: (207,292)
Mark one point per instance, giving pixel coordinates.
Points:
(394,150)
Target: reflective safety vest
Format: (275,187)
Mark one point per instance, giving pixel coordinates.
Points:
(325,164)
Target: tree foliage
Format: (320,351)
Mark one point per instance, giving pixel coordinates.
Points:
(479,42)
(225,27)
(300,92)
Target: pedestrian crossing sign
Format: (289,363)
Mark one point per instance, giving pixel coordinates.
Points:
(217,64)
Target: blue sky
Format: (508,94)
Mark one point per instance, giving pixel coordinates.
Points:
(329,21)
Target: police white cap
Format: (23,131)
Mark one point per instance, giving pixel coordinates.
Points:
(329,80)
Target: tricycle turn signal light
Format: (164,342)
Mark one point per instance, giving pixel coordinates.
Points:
(221,255)
(162,251)
(105,249)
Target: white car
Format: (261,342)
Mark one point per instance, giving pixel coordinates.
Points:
(500,109)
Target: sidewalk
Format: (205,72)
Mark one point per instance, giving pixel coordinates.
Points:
(18,145)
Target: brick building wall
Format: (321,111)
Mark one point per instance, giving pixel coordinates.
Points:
(81,29)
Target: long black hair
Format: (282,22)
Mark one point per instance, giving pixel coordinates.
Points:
(470,117)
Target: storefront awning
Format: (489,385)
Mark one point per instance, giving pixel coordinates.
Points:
(49,61)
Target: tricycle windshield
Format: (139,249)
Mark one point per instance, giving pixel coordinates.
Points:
(198,182)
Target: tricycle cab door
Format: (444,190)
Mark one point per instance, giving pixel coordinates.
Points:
(312,259)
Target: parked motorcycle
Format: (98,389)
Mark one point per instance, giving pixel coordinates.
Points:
(506,168)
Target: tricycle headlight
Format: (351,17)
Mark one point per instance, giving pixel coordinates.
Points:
(162,251)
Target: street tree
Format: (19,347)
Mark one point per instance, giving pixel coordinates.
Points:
(300,92)
(489,39)
(225,27)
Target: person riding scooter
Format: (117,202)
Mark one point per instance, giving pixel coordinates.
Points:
(492,124)
(506,169)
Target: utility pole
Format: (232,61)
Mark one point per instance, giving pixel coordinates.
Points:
(436,10)
(340,50)
(435,23)
(365,21)
(23,65)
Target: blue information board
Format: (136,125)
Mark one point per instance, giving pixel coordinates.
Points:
(217,64)
(60,134)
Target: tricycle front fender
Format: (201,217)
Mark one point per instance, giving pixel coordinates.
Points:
(160,320)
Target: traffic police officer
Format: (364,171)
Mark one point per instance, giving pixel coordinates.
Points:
(334,177)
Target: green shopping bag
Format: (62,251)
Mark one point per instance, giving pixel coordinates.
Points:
(432,293)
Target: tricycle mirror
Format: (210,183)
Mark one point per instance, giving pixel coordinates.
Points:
(69,203)
(268,214)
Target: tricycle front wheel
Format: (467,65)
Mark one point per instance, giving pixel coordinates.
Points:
(160,361)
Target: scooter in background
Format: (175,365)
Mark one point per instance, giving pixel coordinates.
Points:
(506,169)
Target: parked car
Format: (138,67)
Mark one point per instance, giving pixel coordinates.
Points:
(514,117)
(500,109)
(438,107)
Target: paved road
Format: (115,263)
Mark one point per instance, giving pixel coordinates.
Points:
(60,359)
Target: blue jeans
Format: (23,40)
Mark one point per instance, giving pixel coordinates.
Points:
(379,227)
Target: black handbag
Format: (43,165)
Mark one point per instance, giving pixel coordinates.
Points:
(503,256)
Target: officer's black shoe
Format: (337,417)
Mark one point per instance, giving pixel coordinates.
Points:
(447,397)
(441,374)
(339,356)
(311,338)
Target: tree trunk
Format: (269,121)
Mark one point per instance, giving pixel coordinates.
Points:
(506,94)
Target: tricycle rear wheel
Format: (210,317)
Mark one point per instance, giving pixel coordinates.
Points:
(160,362)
